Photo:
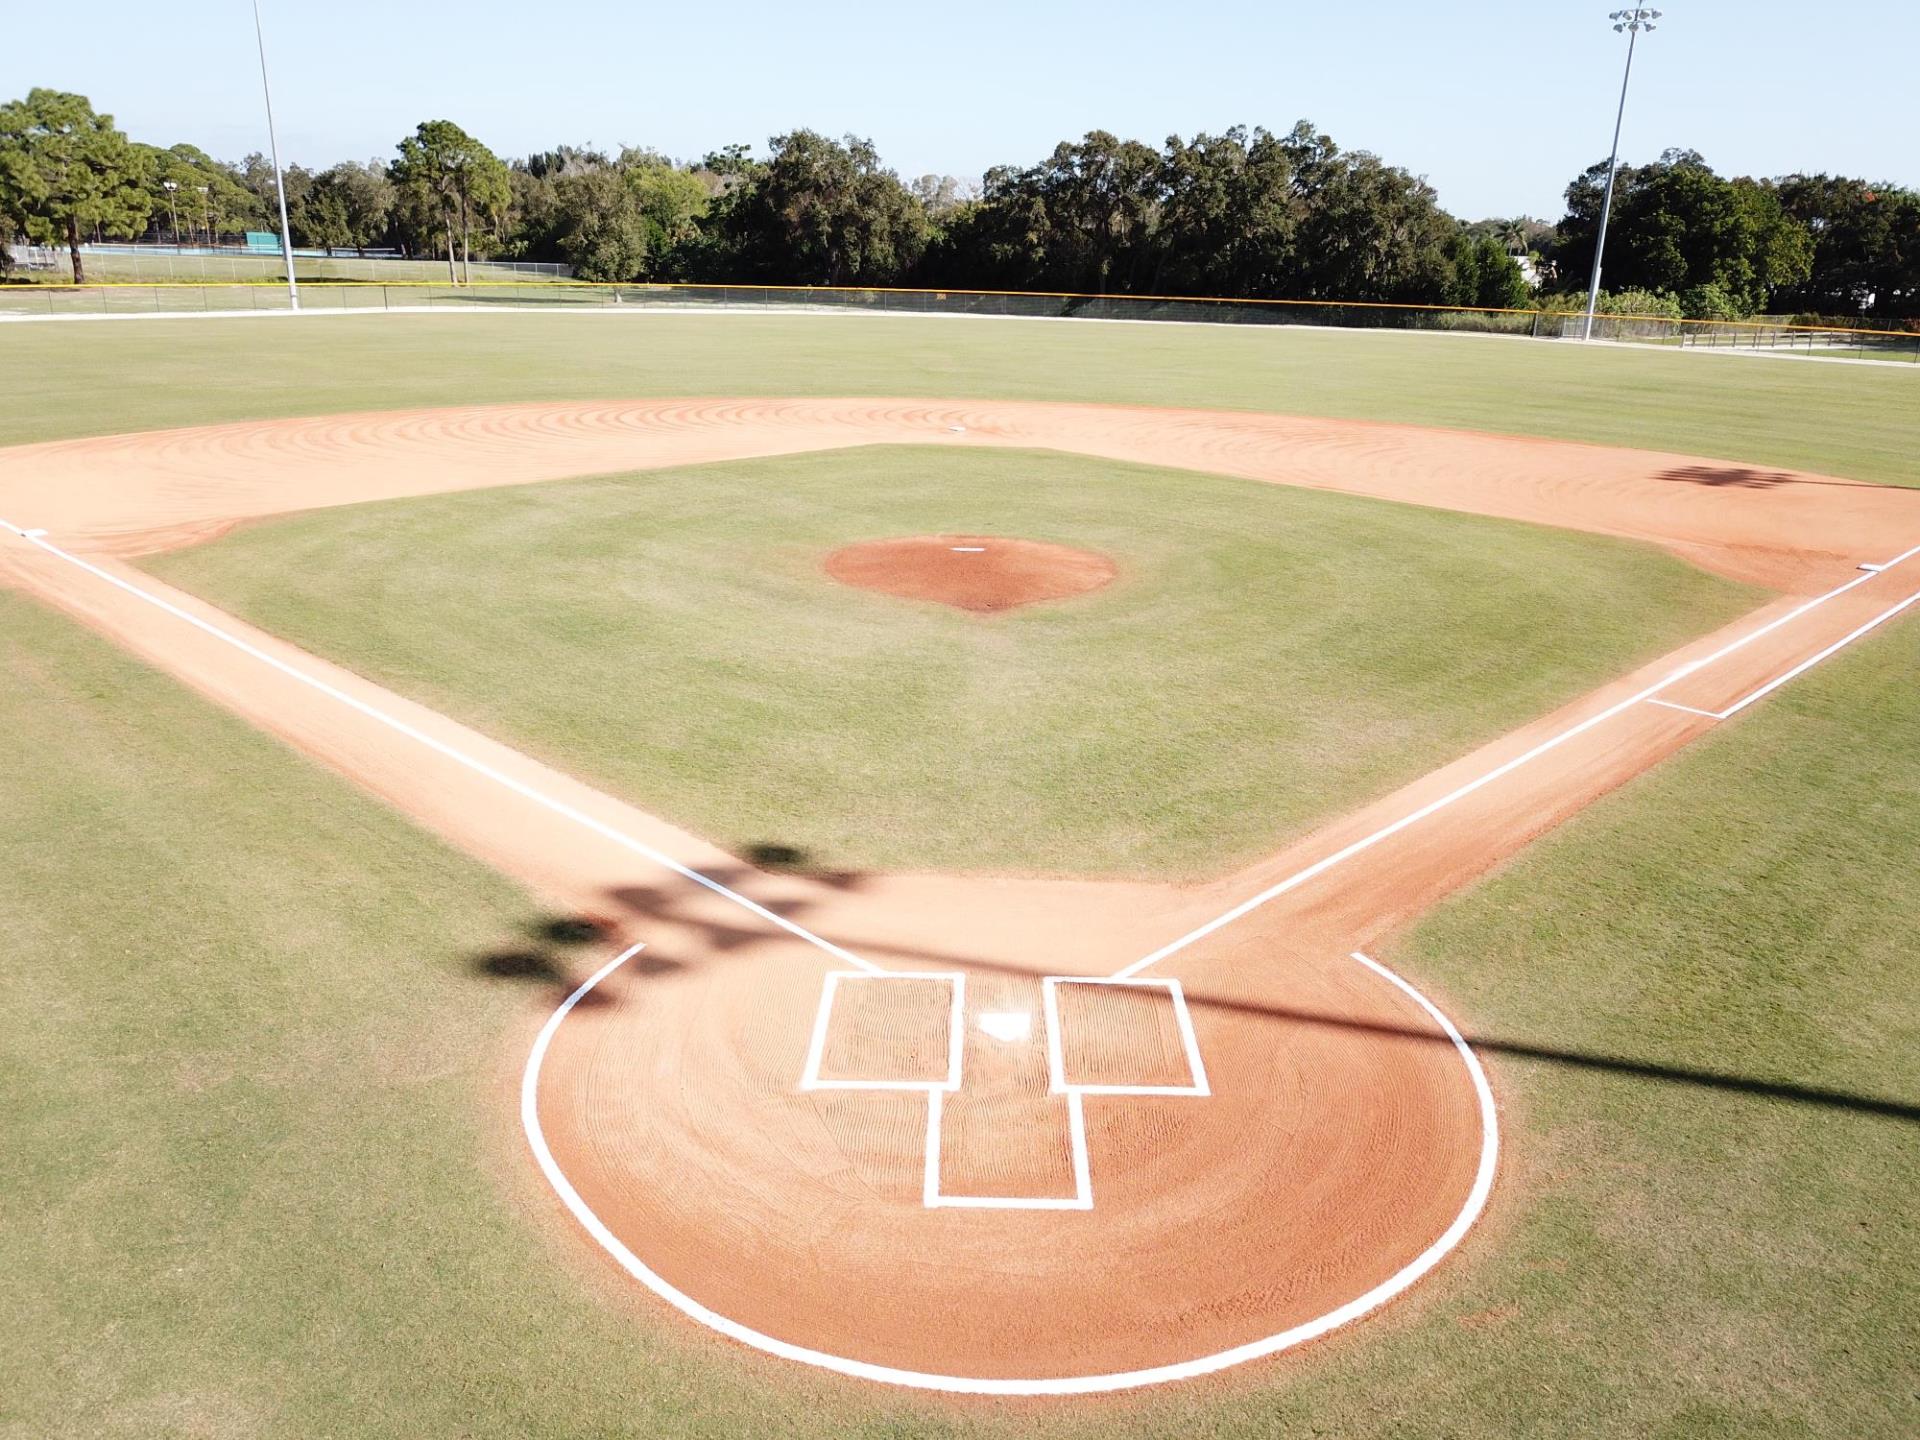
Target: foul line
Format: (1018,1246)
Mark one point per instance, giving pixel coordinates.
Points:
(1803,666)
(1320,867)
(440,747)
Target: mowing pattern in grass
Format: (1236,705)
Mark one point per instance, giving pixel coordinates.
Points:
(245,1050)
(93,379)
(251,1145)
(1689,1259)
(1267,657)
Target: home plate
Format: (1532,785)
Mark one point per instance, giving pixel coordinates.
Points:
(1007,1025)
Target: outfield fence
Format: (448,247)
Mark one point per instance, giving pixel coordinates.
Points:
(1834,341)
(192,264)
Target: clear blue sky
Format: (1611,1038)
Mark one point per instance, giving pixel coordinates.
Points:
(1497,103)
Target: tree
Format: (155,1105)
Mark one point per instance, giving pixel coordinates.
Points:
(819,212)
(1081,220)
(672,201)
(347,206)
(256,173)
(1485,273)
(1678,227)
(1373,232)
(603,230)
(1231,212)
(212,192)
(67,171)
(1865,245)
(629,218)
(446,174)
(941,195)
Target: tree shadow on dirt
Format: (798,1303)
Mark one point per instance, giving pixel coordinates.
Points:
(558,950)
(1742,477)
(552,958)
(553,950)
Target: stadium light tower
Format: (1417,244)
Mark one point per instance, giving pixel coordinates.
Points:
(273,144)
(1632,22)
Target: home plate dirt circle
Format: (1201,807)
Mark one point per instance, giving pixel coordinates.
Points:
(986,1179)
(983,573)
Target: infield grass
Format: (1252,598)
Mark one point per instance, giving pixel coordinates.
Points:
(92,378)
(1269,657)
(260,1178)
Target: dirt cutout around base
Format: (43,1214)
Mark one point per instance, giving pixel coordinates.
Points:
(983,573)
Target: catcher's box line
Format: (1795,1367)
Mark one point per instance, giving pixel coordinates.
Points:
(1393,1285)
(1367,842)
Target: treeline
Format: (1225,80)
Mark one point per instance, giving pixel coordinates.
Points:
(1245,213)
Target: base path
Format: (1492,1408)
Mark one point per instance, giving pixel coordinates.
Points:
(881,1124)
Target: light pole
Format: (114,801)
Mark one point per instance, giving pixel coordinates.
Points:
(273,144)
(1633,22)
(170,186)
(206,214)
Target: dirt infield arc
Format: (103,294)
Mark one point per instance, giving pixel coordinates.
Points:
(1341,1137)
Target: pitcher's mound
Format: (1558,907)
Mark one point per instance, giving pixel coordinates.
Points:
(972,572)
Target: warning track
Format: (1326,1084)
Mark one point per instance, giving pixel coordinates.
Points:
(1343,1141)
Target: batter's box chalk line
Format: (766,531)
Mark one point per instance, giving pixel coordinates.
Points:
(1080,1384)
(933,1195)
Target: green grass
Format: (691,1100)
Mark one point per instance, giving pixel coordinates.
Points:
(258,1171)
(260,1178)
(1693,1260)
(87,379)
(1270,656)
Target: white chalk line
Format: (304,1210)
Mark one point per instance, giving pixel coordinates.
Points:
(1379,1295)
(1056,1051)
(810,1077)
(1690,709)
(440,747)
(1068,1385)
(1805,665)
(936,1198)
(1386,832)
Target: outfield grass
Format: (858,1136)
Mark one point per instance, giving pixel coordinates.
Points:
(1270,656)
(261,1181)
(99,378)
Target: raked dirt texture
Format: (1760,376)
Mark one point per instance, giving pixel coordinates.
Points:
(1689,999)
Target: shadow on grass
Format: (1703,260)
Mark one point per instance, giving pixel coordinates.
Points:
(1588,1060)
(689,907)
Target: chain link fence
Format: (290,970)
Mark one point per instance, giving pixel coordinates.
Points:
(189,264)
(1835,341)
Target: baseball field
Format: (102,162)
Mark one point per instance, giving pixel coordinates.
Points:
(859,875)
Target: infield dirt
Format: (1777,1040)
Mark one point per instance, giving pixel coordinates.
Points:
(1341,1135)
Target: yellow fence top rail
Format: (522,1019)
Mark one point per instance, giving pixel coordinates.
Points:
(942,292)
